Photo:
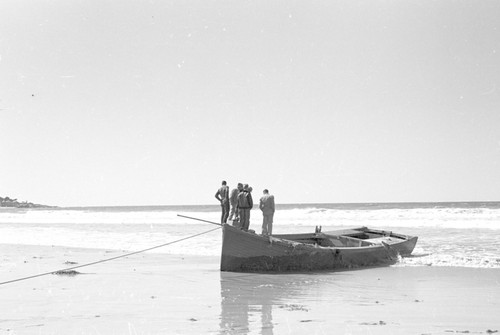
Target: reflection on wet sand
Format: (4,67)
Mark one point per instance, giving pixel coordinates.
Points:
(249,300)
(392,300)
(243,298)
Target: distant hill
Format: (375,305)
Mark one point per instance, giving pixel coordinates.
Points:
(8,202)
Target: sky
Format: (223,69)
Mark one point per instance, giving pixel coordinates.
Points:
(156,102)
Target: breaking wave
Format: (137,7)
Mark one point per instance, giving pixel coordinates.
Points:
(466,235)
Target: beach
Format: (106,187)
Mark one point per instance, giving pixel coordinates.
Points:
(128,125)
(451,284)
(154,293)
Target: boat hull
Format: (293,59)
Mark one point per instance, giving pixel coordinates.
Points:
(247,252)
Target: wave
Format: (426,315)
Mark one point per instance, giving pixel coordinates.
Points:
(461,218)
(430,217)
(448,236)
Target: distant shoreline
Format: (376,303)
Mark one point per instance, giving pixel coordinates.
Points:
(14,203)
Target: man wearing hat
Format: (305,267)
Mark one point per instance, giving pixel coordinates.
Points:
(245,204)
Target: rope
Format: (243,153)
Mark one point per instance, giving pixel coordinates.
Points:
(189,217)
(107,259)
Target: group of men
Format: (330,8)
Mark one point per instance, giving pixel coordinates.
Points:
(236,206)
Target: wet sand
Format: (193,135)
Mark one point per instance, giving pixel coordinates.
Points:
(169,294)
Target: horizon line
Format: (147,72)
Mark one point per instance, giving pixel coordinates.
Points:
(295,203)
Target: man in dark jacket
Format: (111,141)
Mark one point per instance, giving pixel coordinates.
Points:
(222,195)
(245,204)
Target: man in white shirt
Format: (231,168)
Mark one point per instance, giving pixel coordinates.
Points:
(267,208)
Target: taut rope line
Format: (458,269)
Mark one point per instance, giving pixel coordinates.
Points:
(189,217)
(107,259)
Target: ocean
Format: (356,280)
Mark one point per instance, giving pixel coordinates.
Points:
(460,234)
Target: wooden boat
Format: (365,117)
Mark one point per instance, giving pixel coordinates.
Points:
(334,250)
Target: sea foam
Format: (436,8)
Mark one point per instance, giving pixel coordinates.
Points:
(448,236)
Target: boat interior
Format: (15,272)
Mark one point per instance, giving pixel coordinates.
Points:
(359,237)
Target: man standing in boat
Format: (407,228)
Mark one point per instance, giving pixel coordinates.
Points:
(245,204)
(267,207)
(233,201)
(222,195)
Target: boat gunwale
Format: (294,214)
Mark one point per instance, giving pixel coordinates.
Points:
(279,258)
(331,233)
(314,246)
